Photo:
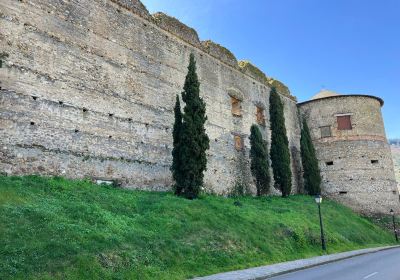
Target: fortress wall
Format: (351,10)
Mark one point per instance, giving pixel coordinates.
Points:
(351,177)
(98,80)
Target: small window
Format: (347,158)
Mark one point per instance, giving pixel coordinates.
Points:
(326,131)
(260,116)
(329,163)
(342,192)
(344,122)
(238,143)
(374,161)
(236,107)
(2,57)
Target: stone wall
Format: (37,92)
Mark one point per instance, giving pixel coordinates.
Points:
(356,165)
(88,90)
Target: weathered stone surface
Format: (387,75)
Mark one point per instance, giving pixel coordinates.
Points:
(360,171)
(280,87)
(177,28)
(135,6)
(248,68)
(220,52)
(99,82)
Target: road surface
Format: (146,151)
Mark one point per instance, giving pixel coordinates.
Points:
(383,265)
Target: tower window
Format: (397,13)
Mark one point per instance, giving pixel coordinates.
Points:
(329,163)
(374,161)
(236,107)
(260,116)
(342,192)
(344,122)
(238,143)
(326,131)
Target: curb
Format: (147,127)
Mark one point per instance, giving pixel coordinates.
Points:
(265,272)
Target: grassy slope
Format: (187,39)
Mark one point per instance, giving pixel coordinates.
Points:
(55,228)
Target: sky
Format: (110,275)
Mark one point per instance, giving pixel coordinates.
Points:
(348,46)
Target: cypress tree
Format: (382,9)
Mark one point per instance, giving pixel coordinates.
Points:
(193,141)
(280,156)
(311,173)
(176,155)
(259,161)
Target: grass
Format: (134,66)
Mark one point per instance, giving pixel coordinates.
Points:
(53,228)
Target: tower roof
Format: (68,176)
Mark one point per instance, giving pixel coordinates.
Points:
(324,93)
(328,94)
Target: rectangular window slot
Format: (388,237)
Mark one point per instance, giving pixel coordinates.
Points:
(238,143)
(329,163)
(344,122)
(342,192)
(236,107)
(110,114)
(34,97)
(32,123)
(374,161)
(2,57)
(260,116)
(326,131)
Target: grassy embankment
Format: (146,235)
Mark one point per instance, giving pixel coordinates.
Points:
(62,229)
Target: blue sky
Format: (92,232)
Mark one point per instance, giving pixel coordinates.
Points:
(348,46)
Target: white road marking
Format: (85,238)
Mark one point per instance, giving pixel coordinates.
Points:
(370,275)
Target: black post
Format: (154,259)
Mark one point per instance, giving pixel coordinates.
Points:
(322,228)
(394,229)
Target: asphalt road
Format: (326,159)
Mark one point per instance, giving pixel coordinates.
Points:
(383,265)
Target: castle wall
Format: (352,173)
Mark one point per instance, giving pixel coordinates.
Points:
(88,91)
(356,165)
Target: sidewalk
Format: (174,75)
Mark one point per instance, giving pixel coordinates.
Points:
(264,272)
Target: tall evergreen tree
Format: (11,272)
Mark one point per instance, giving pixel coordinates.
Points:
(176,155)
(311,172)
(193,140)
(259,161)
(280,155)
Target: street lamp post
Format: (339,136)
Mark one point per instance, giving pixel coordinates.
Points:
(394,225)
(318,200)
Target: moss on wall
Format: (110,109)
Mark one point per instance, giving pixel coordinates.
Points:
(177,28)
(220,52)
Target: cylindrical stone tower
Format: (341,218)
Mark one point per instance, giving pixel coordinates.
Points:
(353,152)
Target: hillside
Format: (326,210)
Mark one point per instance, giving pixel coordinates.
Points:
(396,161)
(60,229)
